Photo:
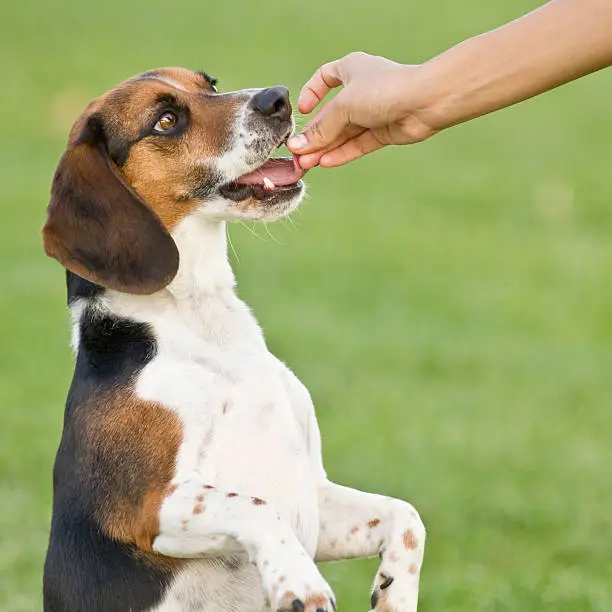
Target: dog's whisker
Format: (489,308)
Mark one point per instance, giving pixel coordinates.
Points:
(229,240)
(252,231)
(274,238)
(292,221)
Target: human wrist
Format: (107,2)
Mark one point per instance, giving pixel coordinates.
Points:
(419,98)
(430,98)
(448,89)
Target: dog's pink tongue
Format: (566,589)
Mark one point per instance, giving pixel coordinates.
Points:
(280,171)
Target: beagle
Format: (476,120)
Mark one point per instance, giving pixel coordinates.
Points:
(189,474)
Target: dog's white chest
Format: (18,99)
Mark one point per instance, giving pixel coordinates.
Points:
(240,430)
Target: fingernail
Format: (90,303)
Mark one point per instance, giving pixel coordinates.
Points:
(297,142)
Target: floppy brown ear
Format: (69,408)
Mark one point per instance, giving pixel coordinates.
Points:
(98,227)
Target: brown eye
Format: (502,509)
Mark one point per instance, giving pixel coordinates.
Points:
(166,122)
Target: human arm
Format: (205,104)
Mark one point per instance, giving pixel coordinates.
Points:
(385,103)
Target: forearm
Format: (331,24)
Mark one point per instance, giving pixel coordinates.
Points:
(561,41)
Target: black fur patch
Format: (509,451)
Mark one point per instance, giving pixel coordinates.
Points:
(211,80)
(112,350)
(78,287)
(85,571)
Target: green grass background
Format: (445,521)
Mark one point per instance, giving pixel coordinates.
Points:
(449,304)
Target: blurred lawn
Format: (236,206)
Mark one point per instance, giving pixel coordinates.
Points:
(449,305)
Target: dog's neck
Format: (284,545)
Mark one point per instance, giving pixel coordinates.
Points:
(201,297)
(204,268)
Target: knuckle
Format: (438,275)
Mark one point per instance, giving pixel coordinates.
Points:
(316,131)
(355,56)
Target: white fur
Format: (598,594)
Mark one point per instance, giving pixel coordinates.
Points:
(234,163)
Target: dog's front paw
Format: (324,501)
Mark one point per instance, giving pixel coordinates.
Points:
(303,591)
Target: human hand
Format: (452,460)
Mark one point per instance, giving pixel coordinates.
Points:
(379,105)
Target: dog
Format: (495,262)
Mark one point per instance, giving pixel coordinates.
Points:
(189,474)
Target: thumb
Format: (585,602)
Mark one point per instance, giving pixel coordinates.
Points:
(324,129)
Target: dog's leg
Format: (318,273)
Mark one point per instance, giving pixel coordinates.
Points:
(357,524)
(196,520)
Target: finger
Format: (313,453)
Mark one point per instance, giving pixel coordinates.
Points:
(307,162)
(310,160)
(326,78)
(353,149)
(329,125)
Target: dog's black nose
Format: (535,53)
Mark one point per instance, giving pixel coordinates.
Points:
(273,102)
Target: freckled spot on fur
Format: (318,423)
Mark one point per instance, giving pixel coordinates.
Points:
(185,525)
(281,580)
(208,487)
(172,489)
(200,498)
(373,523)
(283,541)
(199,508)
(287,601)
(226,406)
(333,544)
(318,602)
(232,495)
(354,530)
(412,569)
(393,557)
(258,502)
(410,541)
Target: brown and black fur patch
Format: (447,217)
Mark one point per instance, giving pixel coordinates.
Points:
(112,471)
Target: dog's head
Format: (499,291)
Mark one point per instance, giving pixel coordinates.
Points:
(154,150)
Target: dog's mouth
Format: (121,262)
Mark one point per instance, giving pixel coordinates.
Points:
(278,175)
